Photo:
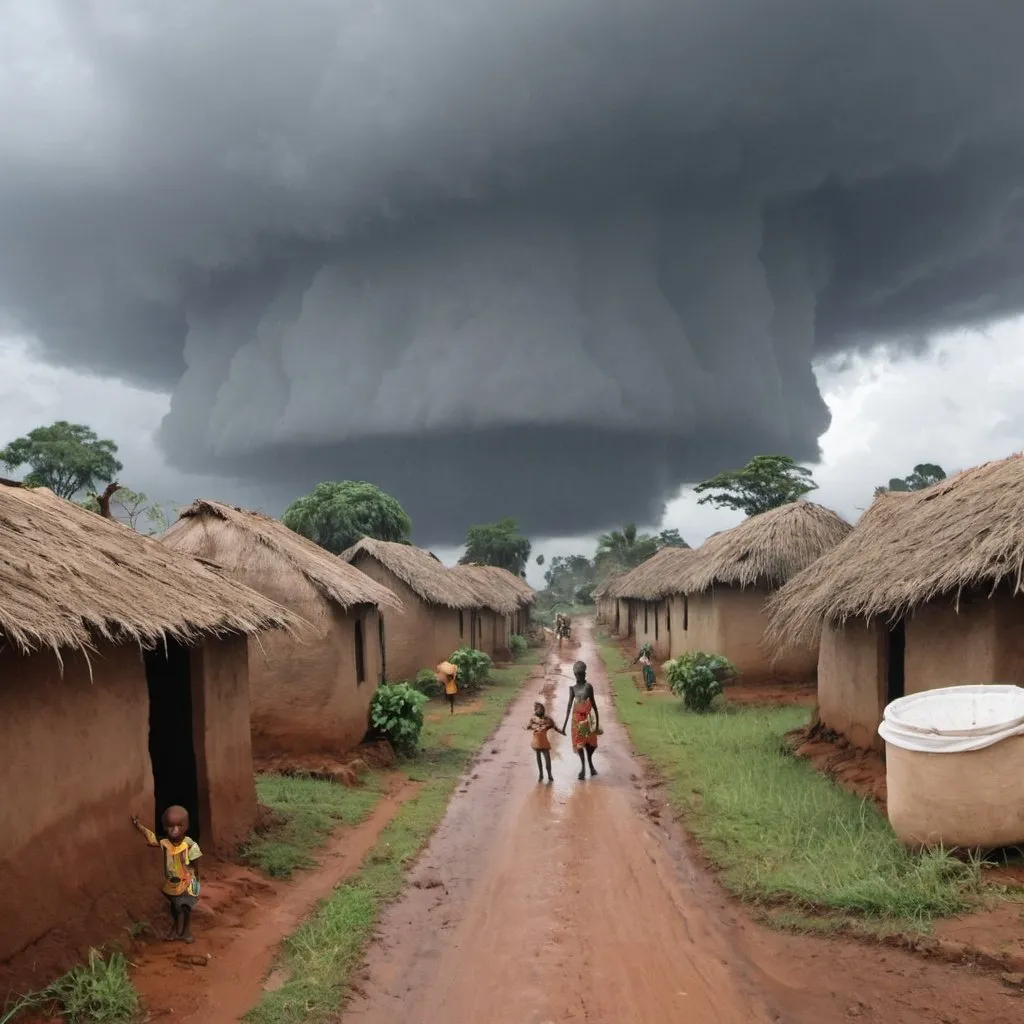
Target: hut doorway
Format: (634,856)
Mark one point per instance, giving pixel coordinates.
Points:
(383,648)
(896,662)
(172,750)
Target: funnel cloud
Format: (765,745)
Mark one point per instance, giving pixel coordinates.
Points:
(546,259)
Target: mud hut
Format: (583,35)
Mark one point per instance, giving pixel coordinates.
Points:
(721,594)
(926,592)
(310,691)
(497,604)
(605,603)
(439,610)
(507,602)
(123,689)
(646,592)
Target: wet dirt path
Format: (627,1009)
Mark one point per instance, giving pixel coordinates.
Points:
(567,903)
(539,903)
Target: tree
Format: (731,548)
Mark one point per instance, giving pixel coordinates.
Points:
(499,544)
(925,474)
(764,483)
(623,549)
(133,508)
(68,458)
(539,559)
(568,576)
(671,539)
(336,515)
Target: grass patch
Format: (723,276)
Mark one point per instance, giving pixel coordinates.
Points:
(97,992)
(780,833)
(310,810)
(321,955)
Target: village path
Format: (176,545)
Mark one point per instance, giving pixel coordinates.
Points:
(568,903)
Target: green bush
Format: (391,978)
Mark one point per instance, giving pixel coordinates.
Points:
(474,667)
(518,645)
(397,713)
(426,683)
(697,678)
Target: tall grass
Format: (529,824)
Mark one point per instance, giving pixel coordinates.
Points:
(96,992)
(778,831)
(320,956)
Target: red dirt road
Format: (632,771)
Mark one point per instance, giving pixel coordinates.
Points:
(569,903)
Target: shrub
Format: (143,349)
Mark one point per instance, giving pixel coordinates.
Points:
(517,645)
(697,678)
(474,667)
(426,683)
(397,713)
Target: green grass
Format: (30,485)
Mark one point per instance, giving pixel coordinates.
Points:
(319,957)
(97,992)
(310,810)
(780,833)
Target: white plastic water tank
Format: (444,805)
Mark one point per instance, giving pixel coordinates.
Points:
(955,766)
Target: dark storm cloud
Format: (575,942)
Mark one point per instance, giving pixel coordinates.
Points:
(549,258)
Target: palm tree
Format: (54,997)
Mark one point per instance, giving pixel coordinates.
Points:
(625,548)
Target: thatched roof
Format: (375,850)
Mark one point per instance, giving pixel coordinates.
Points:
(491,593)
(498,588)
(70,578)
(765,550)
(656,578)
(963,533)
(419,570)
(239,539)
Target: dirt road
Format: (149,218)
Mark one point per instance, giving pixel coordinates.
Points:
(566,903)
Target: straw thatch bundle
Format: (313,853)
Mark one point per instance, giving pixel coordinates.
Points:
(70,578)
(909,548)
(258,546)
(497,588)
(656,578)
(765,550)
(419,570)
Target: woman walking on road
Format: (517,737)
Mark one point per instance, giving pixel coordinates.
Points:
(586,721)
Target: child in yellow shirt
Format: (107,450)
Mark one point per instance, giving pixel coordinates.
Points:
(181,870)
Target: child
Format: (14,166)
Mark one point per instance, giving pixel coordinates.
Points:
(181,872)
(647,669)
(448,677)
(539,725)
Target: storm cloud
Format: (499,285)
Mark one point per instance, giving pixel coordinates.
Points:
(548,259)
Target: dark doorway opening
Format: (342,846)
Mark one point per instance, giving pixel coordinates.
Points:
(360,653)
(383,649)
(686,613)
(618,616)
(171,744)
(895,679)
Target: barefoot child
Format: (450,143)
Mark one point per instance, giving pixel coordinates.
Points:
(181,870)
(448,677)
(540,725)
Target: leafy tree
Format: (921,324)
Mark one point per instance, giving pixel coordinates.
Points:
(499,544)
(671,539)
(623,549)
(764,483)
(539,559)
(133,508)
(925,474)
(68,458)
(568,575)
(336,515)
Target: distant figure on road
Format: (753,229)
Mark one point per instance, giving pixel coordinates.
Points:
(448,677)
(540,725)
(586,721)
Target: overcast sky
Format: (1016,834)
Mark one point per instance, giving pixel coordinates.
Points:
(560,255)
(958,404)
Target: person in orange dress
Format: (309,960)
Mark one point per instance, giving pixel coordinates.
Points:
(586,719)
(448,677)
(181,870)
(540,725)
